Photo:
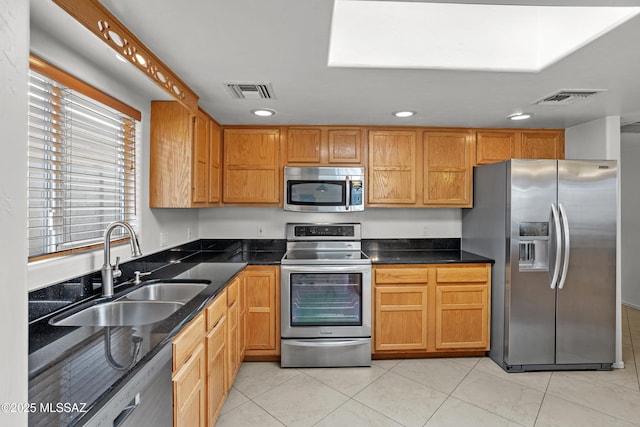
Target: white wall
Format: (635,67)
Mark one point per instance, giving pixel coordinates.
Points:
(600,139)
(14,47)
(180,225)
(630,177)
(243,222)
(597,139)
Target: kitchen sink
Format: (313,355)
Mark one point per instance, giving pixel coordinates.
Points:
(166,291)
(119,313)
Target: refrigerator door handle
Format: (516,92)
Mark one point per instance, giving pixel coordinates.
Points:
(556,223)
(567,245)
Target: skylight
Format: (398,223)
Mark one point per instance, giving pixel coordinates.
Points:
(392,34)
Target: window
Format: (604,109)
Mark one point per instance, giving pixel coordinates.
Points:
(81,163)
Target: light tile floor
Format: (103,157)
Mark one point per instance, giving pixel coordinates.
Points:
(438,392)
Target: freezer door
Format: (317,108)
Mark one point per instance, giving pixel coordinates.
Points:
(529,298)
(586,300)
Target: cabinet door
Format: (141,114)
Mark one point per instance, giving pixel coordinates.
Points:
(216,369)
(303,146)
(461,316)
(171,155)
(200,175)
(251,166)
(233,332)
(400,308)
(345,146)
(462,307)
(392,167)
(400,318)
(189,404)
(540,145)
(215,162)
(494,146)
(263,319)
(448,168)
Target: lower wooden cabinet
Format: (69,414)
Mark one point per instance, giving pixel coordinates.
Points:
(233,331)
(462,305)
(431,308)
(262,287)
(216,340)
(189,375)
(401,309)
(200,366)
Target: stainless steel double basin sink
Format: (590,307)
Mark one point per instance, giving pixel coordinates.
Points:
(148,304)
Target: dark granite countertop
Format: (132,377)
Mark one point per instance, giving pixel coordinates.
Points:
(419,251)
(68,364)
(425,257)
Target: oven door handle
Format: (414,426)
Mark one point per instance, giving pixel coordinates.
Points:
(326,343)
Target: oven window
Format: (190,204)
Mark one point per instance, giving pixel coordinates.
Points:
(320,193)
(326,299)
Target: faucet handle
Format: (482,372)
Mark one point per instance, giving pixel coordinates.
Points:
(116,268)
(138,274)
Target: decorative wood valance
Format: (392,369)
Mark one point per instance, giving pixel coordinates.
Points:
(94,16)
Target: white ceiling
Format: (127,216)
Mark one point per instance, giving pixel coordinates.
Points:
(285,43)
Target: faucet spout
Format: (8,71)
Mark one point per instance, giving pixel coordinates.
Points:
(110,272)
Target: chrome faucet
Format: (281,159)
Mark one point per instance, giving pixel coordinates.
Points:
(110,272)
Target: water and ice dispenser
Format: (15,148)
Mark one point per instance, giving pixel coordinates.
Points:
(533,246)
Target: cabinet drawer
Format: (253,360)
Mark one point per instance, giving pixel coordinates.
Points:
(462,275)
(232,292)
(216,310)
(187,340)
(401,275)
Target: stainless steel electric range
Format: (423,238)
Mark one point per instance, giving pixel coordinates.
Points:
(326,297)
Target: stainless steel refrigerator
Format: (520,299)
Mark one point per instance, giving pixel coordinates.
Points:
(550,226)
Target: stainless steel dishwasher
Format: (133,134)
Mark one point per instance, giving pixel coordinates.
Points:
(145,400)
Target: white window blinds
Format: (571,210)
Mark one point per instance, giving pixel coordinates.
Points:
(81,168)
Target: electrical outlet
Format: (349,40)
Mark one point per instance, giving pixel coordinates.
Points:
(189,233)
(259,230)
(426,230)
(164,239)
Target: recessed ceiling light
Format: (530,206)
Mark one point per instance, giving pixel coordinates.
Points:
(404,114)
(263,112)
(519,116)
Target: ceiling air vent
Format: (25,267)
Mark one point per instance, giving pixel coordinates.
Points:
(251,90)
(567,96)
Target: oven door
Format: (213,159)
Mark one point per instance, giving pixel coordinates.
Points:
(322,301)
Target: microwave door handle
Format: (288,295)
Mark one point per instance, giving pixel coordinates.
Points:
(347,195)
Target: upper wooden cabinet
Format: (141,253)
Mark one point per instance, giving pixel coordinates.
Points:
(393,168)
(448,168)
(416,168)
(183,145)
(317,146)
(215,163)
(496,145)
(540,145)
(251,167)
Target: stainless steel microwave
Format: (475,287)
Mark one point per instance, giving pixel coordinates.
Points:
(323,189)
